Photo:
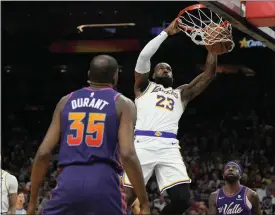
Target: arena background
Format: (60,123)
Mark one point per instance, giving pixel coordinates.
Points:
(44,57)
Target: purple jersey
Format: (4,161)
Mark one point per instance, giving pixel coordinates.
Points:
(90,128)
(236,204)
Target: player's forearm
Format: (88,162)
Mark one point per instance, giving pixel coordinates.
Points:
(211,64)
(39,170)
(12,210)
(134,173)
(12,207)
(143,63)
(12,203)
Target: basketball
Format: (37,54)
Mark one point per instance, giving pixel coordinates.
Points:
(214,34)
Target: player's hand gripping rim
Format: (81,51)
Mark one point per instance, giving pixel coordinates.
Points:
(173,27)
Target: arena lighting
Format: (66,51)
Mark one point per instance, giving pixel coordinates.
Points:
(63,68)
(80,27)
(8,68)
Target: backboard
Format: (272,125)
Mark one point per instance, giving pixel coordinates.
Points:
(234,12)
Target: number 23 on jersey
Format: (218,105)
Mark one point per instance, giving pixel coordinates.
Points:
(94,131)
(165,102)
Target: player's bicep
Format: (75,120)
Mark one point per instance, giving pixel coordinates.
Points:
(53,134)
(126,127)
(186,93)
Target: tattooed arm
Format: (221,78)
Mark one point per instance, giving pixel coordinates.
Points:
(196,86)
(212,204)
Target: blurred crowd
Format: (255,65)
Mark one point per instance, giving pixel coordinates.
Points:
(244,138)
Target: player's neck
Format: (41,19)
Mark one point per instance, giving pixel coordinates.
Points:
(232,189)
(100,85)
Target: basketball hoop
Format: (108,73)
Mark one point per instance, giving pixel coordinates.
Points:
(205,27)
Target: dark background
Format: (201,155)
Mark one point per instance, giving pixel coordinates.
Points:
(34,78)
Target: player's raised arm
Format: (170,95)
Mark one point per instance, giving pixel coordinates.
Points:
(43,155)
(197,85)
(128,114)
(212,210)
(143,65)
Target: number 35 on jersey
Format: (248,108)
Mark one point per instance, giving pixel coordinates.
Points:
(92,133)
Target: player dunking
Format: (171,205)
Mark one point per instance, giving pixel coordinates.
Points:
(159,109)
(95,126)
(233,198)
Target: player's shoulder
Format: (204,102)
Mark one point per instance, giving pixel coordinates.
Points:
(251,192)
(252,196)
(213,195)
(183,87)
(125,105)
(65,98)
(76,92)
(123,100)
(11,178)
(62,102)
(4,172)
(248,189)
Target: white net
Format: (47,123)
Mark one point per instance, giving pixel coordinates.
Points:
(205,27)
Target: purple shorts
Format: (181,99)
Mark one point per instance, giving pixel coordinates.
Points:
(87,190)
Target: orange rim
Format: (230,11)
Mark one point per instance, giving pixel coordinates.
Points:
(194,7)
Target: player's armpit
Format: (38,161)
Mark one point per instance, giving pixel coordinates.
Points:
(141,83)
(212,210)
(128,114)
(197,85)
(43,155)
(255,201)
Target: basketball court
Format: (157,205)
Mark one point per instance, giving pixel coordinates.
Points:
(235,12)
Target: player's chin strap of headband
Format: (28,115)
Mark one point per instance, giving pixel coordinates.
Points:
(234,164)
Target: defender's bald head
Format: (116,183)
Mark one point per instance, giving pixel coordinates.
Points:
(102,69)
